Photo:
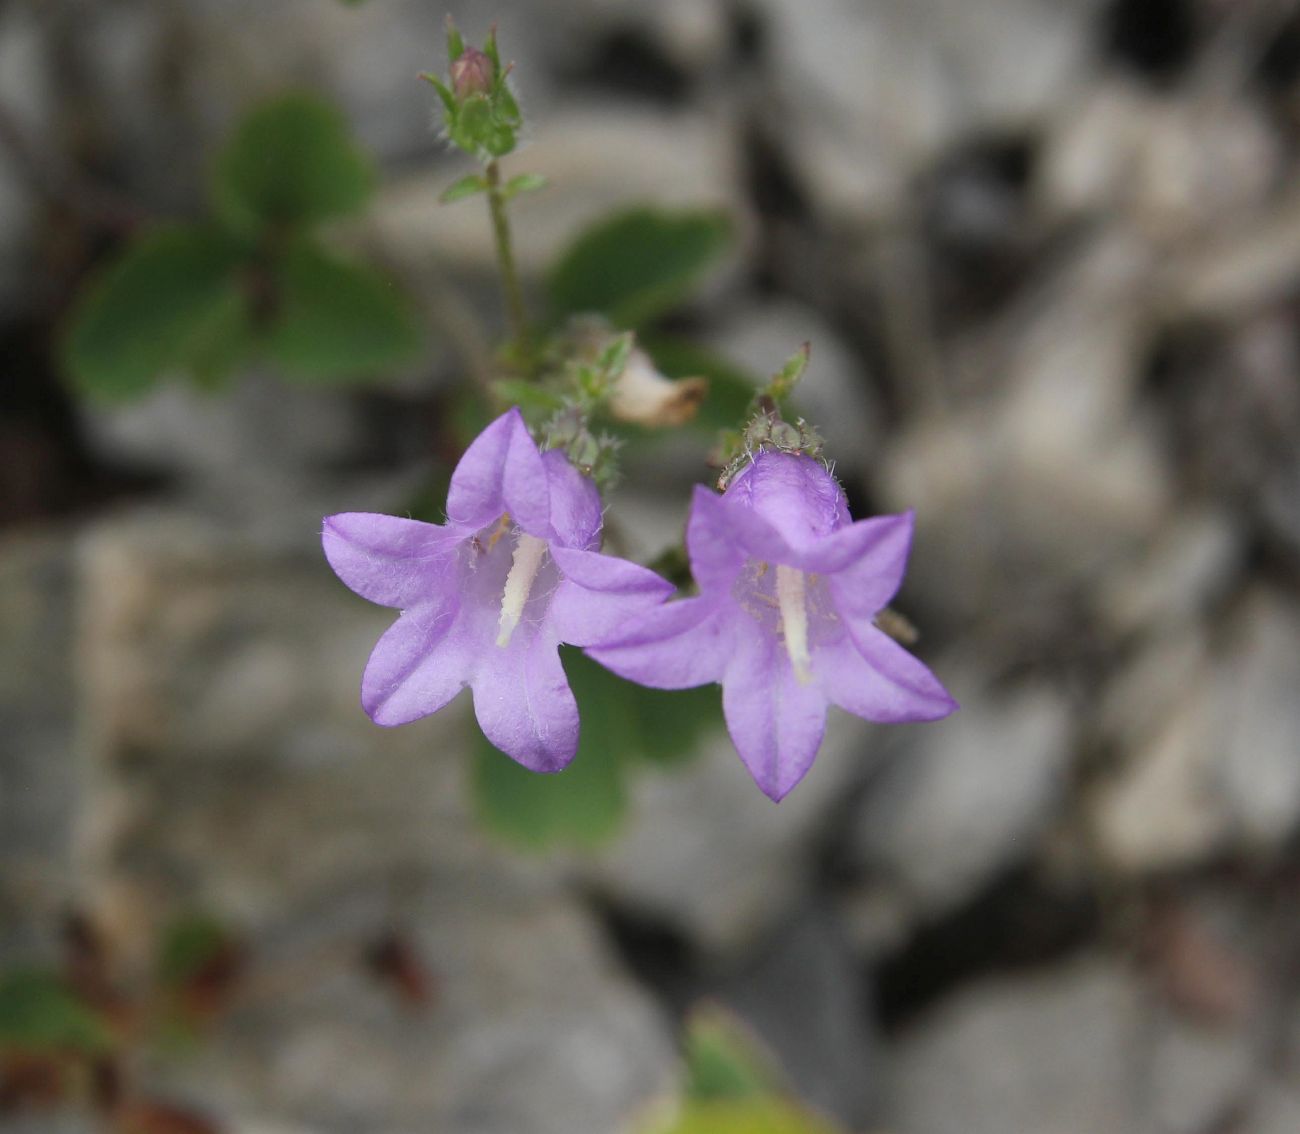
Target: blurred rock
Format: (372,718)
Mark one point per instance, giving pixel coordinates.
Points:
(1276,1110)
(1197,1074)
(264,457)
(1159,811)
(1050,475)
(1188,565)
(24,100)
(1071,1051)
(1174,164)
(707,852)
(234,773)
(1258,678)
(804,992)
(965,798)
(39,768)
(44,1123)
(1209,743)
(874,91)
(1051,1053)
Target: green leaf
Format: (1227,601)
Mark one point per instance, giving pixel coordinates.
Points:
(188,945)
(39,1013)
(291,162)
(752,1116)
(466,187)
(167,303)
(455,41)
(638,264)
(524,183)
(337,320)
(724,1061)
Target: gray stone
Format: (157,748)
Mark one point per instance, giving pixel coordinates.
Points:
(706,851)
(1076,1050)
(1052,476)
(966,797)
(1197,1074)
(805,994)
(1257,681)
(1159,810)
(38,760)
(1174,164)
(25,96)
(234,772)
(260,458)
(876,90)
(43,1123)
(1052,1053)
(1208,743)
(1188,565)
(1276,1110)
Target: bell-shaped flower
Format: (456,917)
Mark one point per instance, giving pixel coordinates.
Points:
(487,598)
(789,590)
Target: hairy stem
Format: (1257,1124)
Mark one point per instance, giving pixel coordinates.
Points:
(506,260)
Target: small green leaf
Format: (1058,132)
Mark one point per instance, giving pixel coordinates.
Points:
(638,264)
(466,187)
(724,1061)
(39,1013)
(188,945)
(337,320)
(751,1116)
(455,41)
(290,162)
(167,303)
(580,806)
(524,183)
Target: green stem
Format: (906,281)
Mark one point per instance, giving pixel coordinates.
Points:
(506,260)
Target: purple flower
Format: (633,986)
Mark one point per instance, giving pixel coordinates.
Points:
(789,589)
(487,598)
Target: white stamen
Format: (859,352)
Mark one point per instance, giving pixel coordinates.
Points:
(529,552)
(794,620)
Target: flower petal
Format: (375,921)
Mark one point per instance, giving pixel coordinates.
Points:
(794,494)
(386,559)
(602,596)
(574,503)
(675,646)
(420,663)
(872,676)
(776,723)
(501,471)
(864,564)
(524,704)
(722,535)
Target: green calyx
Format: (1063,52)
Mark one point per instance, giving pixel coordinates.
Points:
(480,112)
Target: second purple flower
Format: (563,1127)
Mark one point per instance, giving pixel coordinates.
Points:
(789,591)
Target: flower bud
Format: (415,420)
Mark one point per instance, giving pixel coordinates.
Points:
(471,73)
